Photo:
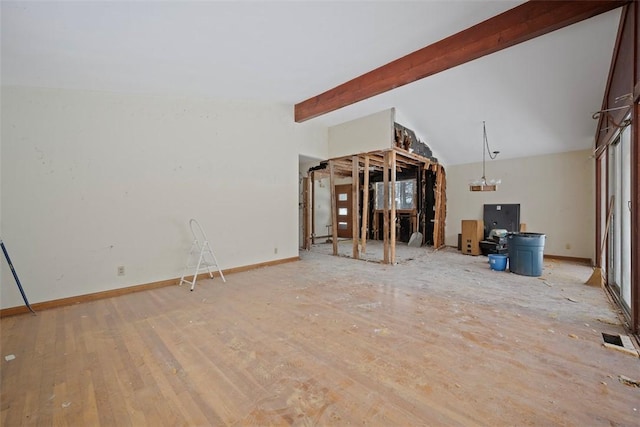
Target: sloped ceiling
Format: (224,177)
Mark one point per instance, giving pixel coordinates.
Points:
(536,97)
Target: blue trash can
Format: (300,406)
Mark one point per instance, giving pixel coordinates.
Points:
(526,253)
(498,262)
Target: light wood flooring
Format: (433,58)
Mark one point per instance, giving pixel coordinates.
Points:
(439,340)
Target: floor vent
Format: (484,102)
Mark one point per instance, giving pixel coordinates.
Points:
(620,342)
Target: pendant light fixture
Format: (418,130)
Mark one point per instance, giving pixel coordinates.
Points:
(483,184)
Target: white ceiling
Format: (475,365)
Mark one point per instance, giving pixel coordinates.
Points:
(536,97)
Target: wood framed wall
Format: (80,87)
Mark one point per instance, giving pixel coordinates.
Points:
(388,163)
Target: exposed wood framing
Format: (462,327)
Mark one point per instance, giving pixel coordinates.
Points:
(313,211)
(334,210)
(392,219)
(388,162)
(423,189)
(365,206)
(404,159)
(517,25)
(355,187)
(441,207)
(385,216)
(436,221)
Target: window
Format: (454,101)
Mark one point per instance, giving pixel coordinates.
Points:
(405,195)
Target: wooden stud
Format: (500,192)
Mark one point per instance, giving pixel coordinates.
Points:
(441,208)
(423,200)
(313,207)
(436,220)
(385,216)
(365,206)
(443,205)
(334,210)
(355,191)
(393,219)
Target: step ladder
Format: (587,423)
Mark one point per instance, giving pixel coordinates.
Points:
(201,257)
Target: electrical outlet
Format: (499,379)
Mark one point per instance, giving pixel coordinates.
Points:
(275,250)
(121,270)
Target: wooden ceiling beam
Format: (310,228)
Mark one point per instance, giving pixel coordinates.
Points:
(527,21)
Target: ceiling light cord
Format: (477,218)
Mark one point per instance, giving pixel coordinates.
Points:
(486,149)
(482,184)
(486,143)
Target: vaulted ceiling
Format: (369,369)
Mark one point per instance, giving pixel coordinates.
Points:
(536,97)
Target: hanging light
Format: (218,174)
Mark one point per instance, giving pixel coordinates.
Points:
(483,184)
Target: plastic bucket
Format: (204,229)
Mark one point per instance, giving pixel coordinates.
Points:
(498,262)
(526,253)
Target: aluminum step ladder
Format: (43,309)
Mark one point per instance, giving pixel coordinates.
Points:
(201,257)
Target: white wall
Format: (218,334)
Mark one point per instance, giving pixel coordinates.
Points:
(322,206)
(555,193)
(316,147)
(91,181)
(369,133)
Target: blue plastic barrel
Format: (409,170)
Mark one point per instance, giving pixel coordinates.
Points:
(526,253)
(498,262)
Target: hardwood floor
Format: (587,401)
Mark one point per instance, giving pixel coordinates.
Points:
(439,340)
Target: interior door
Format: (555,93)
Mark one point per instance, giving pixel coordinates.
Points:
(343,205)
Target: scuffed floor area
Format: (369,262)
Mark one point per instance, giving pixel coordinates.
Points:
(439,339)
